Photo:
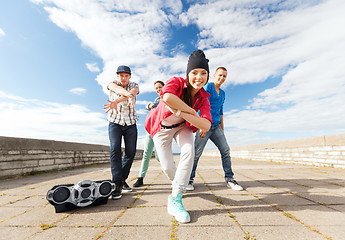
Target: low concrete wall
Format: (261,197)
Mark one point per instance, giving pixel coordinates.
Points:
(21,156)
(320,151)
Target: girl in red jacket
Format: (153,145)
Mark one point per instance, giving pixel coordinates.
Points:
(176,117)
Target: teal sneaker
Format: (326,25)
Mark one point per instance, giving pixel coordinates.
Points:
(176,208)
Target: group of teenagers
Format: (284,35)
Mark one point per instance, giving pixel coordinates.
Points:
(183,106)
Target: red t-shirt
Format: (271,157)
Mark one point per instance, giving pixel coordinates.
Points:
(175,85)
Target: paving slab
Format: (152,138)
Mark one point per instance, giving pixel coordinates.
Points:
(94,216)
(137,232)
(70,233)
(280,201)
(283,233)
(18,233)
(208,232)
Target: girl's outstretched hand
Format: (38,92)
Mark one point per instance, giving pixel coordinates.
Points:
(110,105)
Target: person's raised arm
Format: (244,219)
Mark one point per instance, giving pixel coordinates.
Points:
(125,95)
(175,102)
(222,122)
(119,90)
(197,121)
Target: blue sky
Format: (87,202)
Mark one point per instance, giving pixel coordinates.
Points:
(285,60)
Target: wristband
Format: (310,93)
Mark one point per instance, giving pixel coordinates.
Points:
(178,113)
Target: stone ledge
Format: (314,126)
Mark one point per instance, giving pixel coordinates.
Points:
(16,144)
(320,141)
(21,156)
(320,151)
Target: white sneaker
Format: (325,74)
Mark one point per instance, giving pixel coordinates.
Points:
(190,186)
(234,185)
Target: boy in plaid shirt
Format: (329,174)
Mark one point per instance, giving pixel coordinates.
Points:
(122,119)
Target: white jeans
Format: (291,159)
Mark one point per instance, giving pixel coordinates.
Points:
(183,136)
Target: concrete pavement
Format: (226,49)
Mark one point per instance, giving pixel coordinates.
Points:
(280,201)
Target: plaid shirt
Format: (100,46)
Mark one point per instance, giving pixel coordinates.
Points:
(126,115)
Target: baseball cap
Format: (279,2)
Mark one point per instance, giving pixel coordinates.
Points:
(123,68)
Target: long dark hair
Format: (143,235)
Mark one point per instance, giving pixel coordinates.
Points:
(186,95)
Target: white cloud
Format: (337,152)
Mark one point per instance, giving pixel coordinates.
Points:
(93,67)
(38,119)
(121,32)
(48,120)
(303,43)
(257,43)
(78,91)
(2,33)
(142,102)
(142,111)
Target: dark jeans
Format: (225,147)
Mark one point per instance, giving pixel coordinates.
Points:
(120,169)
